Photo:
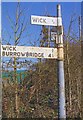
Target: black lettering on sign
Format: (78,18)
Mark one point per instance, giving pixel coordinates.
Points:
(27,54)
(10,48)
(23,54)
(11,53)
(41,20)
(30,54)
(41,54)
(14,53)
(34,19)
(49,55)
(14,48)
(7,53)
(35,55)
(38,20)
(18,53)
(4,48)
(44,20)
(3,53)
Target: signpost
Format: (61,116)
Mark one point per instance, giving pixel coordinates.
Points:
(43,20)
(29,52)
(56,21)
(43,52)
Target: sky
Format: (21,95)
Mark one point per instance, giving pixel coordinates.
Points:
(40,9)
(42,0)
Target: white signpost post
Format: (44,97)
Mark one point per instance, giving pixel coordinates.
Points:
(29,52)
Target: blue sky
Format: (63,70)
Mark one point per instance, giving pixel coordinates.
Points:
(39,8)
(43,0)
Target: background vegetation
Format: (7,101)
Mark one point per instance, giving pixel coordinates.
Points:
(34,93)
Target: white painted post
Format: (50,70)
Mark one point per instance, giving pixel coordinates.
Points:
(60,63)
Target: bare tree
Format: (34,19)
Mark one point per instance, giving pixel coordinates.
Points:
(18,27)
(72,70)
